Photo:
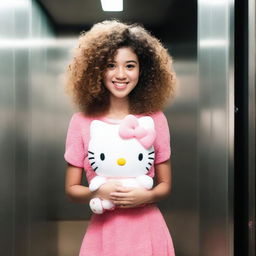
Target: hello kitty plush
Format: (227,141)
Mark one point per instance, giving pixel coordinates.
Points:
(122,151)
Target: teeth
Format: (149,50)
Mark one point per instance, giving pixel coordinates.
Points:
(120,84)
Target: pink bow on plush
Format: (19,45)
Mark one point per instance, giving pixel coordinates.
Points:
(129,128)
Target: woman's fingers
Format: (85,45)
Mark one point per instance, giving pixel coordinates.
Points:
(125,206)
(121,200)
(120,203)
(123,189)
(119,195)
(129,197)
(121,192)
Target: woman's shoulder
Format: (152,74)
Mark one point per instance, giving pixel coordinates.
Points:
(158,116)
(79,119)
(79,115)
(160,120)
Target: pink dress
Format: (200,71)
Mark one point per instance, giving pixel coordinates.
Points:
(139,231)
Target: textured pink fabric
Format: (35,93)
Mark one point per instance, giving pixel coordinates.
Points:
(140,231)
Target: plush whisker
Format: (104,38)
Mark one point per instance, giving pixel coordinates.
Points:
(91,158)
(90,152)
(147,168)
(95,168)
(92,163)
(150,163)
(152,158)
(151,152)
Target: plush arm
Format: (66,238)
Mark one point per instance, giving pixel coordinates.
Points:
(96,182)
(145,181)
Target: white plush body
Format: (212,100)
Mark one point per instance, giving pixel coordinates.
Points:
(107,150)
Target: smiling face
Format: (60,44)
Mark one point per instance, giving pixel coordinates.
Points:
(122,74)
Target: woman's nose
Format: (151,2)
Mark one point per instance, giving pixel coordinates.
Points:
(120,73)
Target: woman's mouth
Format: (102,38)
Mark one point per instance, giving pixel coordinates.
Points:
(120,85)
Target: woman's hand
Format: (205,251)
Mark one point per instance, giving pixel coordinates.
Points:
(104,190)
(130,197)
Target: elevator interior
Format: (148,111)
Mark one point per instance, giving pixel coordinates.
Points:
(36,42)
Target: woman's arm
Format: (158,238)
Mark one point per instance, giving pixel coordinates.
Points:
(81,194)
(130,197)
(74,190)
(163,180)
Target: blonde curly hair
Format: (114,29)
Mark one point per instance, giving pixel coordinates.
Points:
(96,47)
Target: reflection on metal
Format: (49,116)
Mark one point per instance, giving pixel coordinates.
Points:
(251,126)
(36,43)
(216,126)
(32,127)
(182,205)
(17,4)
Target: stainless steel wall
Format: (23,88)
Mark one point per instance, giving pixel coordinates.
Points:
(202,125)
(32,108)
(216,126)
(34,116)
(181,208)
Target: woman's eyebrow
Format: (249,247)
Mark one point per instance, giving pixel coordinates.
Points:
(134,61)
(131,61)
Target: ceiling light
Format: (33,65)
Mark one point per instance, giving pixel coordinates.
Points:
(14,4)
(112,5)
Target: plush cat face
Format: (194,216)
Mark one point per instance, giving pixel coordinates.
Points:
(112,156)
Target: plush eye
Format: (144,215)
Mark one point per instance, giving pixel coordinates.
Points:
(140,156)
(102,156)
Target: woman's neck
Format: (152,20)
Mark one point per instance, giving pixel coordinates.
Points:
(119,108)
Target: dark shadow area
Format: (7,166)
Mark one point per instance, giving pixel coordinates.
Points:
(241,130)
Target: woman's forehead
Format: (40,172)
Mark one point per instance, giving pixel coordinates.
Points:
(124,52)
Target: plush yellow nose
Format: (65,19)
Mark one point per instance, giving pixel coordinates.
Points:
(121,161)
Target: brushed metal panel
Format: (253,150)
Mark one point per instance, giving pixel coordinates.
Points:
(21,74)
(21,230)
(181,208)
(216,126)
(7,136)
(43,231)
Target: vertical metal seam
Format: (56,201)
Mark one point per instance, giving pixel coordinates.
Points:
(231,129)
(251,125)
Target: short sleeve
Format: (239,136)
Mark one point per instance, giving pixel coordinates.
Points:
(75,153)
(162,142)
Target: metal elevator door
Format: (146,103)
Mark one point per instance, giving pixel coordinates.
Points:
(36,218)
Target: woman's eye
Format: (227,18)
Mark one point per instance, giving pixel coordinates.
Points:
(130,66)
(110,65)
(140,157)
(102,156)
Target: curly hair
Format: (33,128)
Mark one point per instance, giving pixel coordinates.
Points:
(96,47)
